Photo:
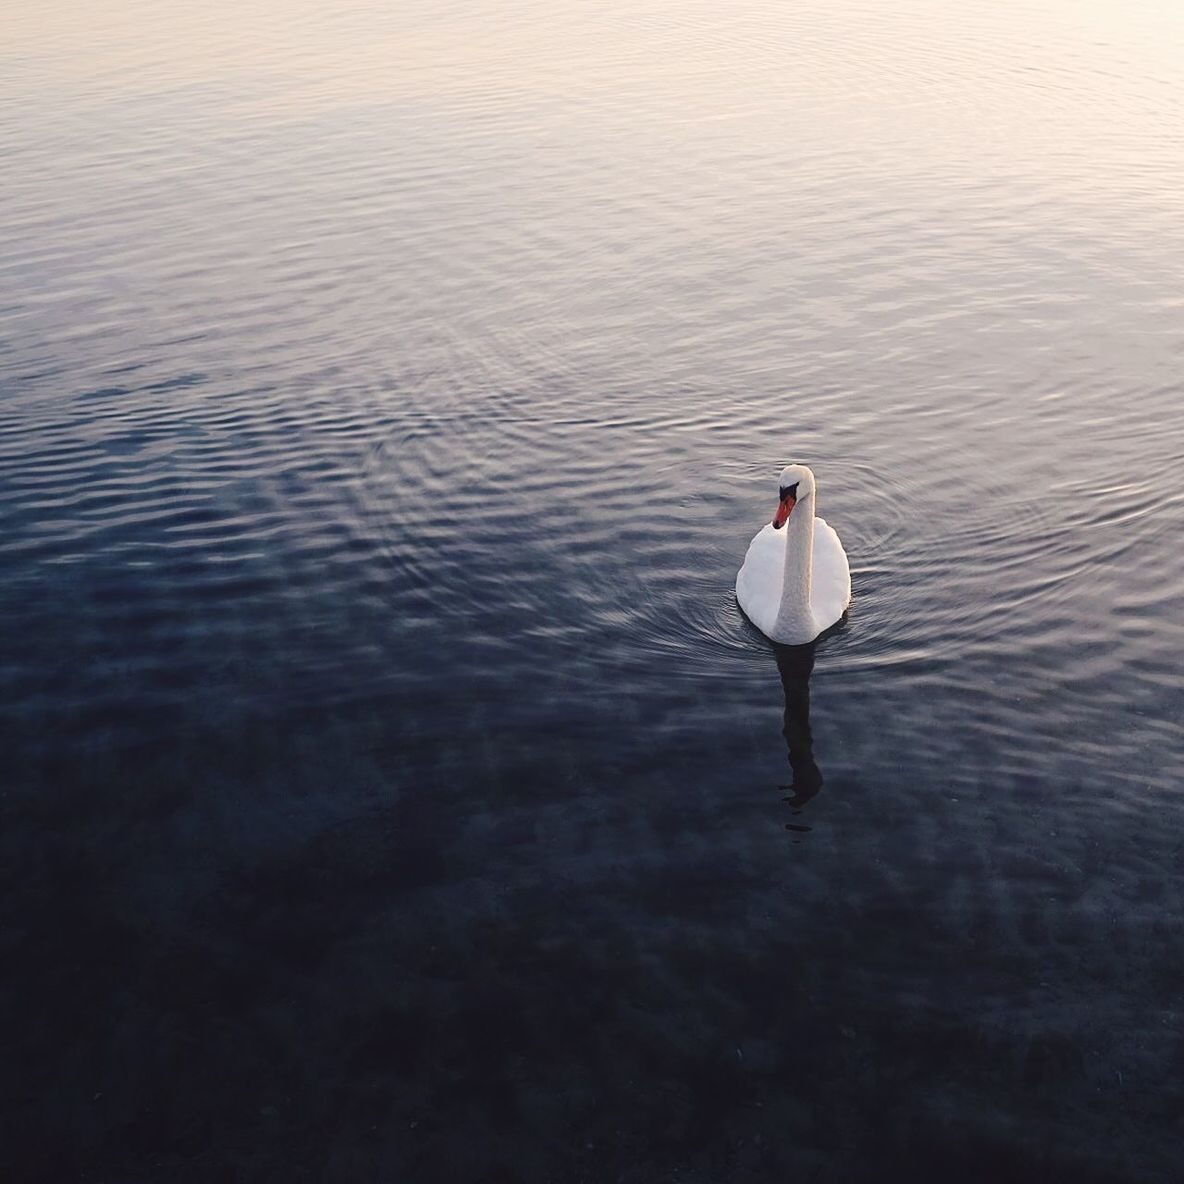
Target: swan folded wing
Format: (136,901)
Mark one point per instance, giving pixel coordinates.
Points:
(758,583)
(831,593)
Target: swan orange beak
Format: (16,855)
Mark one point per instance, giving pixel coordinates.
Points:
(783,511)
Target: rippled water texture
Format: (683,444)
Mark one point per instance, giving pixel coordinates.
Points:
(389,393)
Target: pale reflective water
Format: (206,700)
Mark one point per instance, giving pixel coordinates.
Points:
(390,780)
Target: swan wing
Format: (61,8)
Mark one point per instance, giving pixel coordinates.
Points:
(758,584)
(831,592)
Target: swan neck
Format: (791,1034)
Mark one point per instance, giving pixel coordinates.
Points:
(795,617)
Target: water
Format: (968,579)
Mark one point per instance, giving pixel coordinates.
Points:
(389,393)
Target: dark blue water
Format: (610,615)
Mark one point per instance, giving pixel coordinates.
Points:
(392,788)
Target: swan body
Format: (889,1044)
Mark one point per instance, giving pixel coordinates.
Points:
(795,582)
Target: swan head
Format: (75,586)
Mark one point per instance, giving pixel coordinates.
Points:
(796,482)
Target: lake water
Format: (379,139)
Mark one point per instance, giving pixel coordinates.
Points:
(388,393)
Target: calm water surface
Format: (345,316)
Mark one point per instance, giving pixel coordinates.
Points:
(388,393)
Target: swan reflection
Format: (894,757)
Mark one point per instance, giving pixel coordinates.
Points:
(795,663)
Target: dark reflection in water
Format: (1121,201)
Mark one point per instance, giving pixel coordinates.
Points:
(795,664)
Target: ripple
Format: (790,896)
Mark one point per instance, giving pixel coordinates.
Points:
(505,346)
(388,396)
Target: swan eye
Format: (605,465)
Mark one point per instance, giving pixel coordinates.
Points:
(789,490)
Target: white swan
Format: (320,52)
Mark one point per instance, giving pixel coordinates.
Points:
(795,583)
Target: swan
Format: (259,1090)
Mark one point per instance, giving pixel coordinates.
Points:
(795,583)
